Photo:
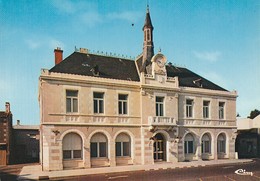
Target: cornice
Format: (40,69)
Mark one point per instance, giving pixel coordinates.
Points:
(209,92)
(63,77)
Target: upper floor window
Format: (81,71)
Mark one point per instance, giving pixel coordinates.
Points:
(98,102)
(206,109)
(221,108)
(189,108)
(71,101)
(159,106)
(122,103)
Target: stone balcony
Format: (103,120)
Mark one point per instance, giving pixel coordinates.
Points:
(161,121)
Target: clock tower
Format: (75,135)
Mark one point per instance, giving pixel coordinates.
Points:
(158,67)
(148,48)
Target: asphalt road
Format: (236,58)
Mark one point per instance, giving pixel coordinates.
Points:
(208,173)
(10,172)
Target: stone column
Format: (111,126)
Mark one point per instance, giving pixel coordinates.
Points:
(215,151)
(112,157)
(198,152)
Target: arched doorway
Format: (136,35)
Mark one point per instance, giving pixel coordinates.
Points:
(159,148)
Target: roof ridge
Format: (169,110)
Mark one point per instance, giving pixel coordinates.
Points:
(106,54)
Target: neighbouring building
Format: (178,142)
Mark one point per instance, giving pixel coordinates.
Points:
(99,110)
(6,143)
(248,137)
(18,143)
(26,141)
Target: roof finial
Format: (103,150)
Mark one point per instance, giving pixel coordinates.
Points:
(147,6)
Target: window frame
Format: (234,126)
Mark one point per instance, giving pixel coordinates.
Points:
(189,108)
(221,144)
(123,103)
(159,106)
(189,144)
(72,99)
(98,101)
(98,148)
(206,144)
(72,151)
(124,146)
(221,110)
(206,109)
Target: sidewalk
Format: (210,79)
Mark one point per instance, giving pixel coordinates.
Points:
(34,172)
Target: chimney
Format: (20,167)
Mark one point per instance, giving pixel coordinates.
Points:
(7,107)
(18,122)
(58,55)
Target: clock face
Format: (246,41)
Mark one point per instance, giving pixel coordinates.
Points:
(160,62)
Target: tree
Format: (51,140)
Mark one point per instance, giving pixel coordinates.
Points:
(253,114)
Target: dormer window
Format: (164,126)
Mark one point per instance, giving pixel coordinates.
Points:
(198,82)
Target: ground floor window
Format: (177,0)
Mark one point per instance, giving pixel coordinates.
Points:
(123,145)
(98,146)
(189,144)
(205,144)
(221,143)
(72,146)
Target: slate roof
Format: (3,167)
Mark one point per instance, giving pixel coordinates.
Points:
(108,67)
(125,69)
(188,78)
(148,22)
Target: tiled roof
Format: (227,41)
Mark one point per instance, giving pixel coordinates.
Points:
(108,67)
(124,69)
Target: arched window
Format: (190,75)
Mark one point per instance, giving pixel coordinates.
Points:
(98,146)
(72,146)
(221,143)
(206,144)
(189,144)
(123,145)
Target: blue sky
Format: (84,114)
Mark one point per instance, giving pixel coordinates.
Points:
(219,40)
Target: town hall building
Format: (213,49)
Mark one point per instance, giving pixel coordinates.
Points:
(99,110)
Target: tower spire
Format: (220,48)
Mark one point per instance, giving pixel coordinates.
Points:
(148,48)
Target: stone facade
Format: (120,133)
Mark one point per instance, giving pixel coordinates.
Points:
(93,121)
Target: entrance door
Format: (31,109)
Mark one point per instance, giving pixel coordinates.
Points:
(159,148)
